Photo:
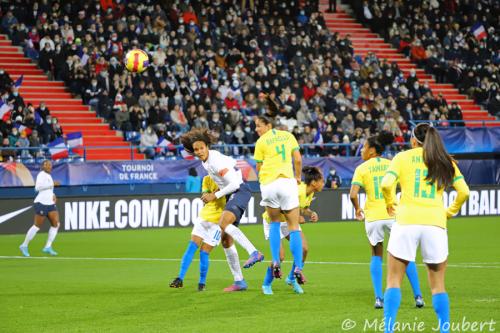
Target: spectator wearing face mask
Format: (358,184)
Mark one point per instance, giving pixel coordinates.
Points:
(8,22)
(149,139)
(333,180)
(16,100)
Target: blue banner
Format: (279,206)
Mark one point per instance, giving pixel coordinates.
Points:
(156,172)
(460,140)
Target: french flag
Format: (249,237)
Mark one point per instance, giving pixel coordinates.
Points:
(19,81)
(58,149)
(479,31)
(38,119)
(4,109)
(75,140)
(318,138)
(185,155)
(164,143)
(21,128)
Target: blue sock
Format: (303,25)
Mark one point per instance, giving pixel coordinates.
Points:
(275,240)
(296,248)
(441,304)
(376,273)
(204,263)
(268,279)
(412,274)
(392,300)
(291,276)
(187,258)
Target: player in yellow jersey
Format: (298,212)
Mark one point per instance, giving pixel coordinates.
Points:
(423,174)
(277,153)
(228,177)
(206,235)
(313,183)
(377,221)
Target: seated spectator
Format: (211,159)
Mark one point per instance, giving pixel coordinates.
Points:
(7,155)
(23,142)
(149,139)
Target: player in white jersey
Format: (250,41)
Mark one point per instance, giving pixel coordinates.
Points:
(45,206)
(222,169)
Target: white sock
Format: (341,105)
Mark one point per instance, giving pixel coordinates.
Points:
(30,234)
(52,236)
(233,261)
(240,238)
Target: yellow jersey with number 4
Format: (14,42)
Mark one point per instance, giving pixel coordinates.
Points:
(304,202)
(369,175)
(212,211)
(421,202)
(274,150)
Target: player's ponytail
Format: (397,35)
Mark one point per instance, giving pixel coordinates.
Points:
(439,163)
(379,142)
(311,173)
(272,111)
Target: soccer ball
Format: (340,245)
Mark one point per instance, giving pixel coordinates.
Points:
(136,61)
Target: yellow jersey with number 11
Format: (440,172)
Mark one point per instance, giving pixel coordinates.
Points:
(369,175)
(274,150)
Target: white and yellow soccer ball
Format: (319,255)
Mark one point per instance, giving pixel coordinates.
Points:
(136,61)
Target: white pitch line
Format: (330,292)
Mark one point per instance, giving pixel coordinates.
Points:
(458,265)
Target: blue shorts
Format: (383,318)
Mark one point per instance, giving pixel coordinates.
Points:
(237,202)
(44,210)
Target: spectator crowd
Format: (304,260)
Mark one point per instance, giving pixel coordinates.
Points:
(457,41)
(213,62)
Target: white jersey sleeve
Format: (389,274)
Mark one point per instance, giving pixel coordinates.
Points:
(45,187)
(223,171)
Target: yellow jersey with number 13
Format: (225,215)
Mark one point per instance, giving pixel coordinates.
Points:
(421,202)
(274,150)
(369,175)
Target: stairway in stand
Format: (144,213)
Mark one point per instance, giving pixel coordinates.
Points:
(71,113)
(365,41)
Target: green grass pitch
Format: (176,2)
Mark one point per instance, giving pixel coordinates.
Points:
(68,294)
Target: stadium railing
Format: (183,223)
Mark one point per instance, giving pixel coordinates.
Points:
(37,154)
(455,123)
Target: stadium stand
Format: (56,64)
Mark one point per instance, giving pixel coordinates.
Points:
(456,42)
(333,79)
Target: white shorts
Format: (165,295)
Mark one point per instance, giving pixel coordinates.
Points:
(208,231)
(405,239)
(284,232)
(375,230)
(282,193)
